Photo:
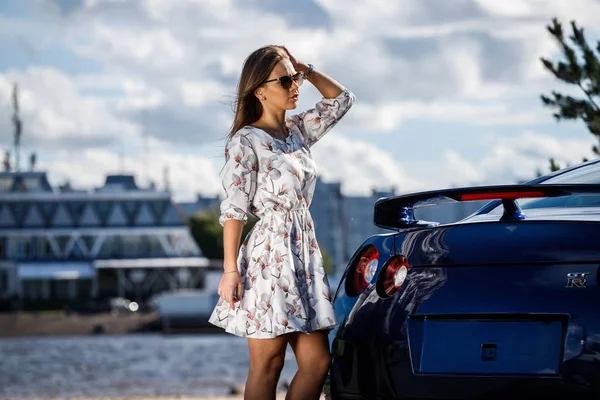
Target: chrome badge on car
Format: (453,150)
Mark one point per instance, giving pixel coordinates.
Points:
(577,279)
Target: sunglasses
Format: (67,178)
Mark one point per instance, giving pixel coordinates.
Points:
(286,80)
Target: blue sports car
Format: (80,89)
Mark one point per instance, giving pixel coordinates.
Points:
(503,303)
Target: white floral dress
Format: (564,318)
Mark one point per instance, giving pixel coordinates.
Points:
(285,286)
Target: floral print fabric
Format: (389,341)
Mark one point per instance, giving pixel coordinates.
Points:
(285,286)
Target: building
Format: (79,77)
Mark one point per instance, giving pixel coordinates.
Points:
(202,203)
(358,220)
(62,245)
(329,216)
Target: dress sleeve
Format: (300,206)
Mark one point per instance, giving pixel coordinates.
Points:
(313,124)
(239,179)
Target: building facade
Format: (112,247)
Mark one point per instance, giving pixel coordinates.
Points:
(202,203)
(329,216)
(61,246)
(358,219)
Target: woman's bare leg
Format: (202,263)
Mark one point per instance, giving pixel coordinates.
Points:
(266,362)
(313,358)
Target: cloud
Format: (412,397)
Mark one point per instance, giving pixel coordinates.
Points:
(187,175)
(201,40)
(359,165)
(362,166)
(55,113)
(508,8)
(581,10)
(476,49)
(165,70)
(516,159)
(389,117)
(88,131)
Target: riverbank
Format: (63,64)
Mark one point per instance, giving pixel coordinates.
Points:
(60,323)
(150,366)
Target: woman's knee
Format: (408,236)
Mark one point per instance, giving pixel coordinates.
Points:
(324,361)
(267,364)
(318,362)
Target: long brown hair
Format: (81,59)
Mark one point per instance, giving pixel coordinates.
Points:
(257,68)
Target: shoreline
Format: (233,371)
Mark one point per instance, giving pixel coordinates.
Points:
(60,323)
(14,325)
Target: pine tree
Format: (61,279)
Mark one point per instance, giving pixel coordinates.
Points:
(580,67)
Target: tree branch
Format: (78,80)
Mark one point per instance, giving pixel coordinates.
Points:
(589,96)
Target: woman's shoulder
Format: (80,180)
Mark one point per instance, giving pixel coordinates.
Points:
(245,135)
(241,139)
(246,131)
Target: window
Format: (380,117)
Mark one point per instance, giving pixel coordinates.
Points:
(62,242)
(3,281)
(189,247)
(19,210)
(110,248)
(83,288)
(89,242)
(6,184)
(33,289)
(32,184)
(76,252)
(76,209)
(103,209)
(59,289)
(155,247)
(48,210)
(19,248)
(158,208)
(131,209)
(131,246)
(43,249)
(173,239)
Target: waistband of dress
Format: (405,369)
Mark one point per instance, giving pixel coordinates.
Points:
(286,211)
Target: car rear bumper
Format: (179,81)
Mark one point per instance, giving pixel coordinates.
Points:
(379,369)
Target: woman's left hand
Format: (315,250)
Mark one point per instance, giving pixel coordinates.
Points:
(297,64)
(327,86)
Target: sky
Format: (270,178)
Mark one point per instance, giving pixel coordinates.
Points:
(447,92)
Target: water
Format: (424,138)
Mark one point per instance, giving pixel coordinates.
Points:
(131,365)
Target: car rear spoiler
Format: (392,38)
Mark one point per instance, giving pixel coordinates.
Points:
(397,212)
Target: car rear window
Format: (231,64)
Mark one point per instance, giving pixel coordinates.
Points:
(586,175)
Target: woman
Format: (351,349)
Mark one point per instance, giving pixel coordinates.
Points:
(275,291)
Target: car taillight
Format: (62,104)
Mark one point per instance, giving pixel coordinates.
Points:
(363,271)
(500,195)
(392,276)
